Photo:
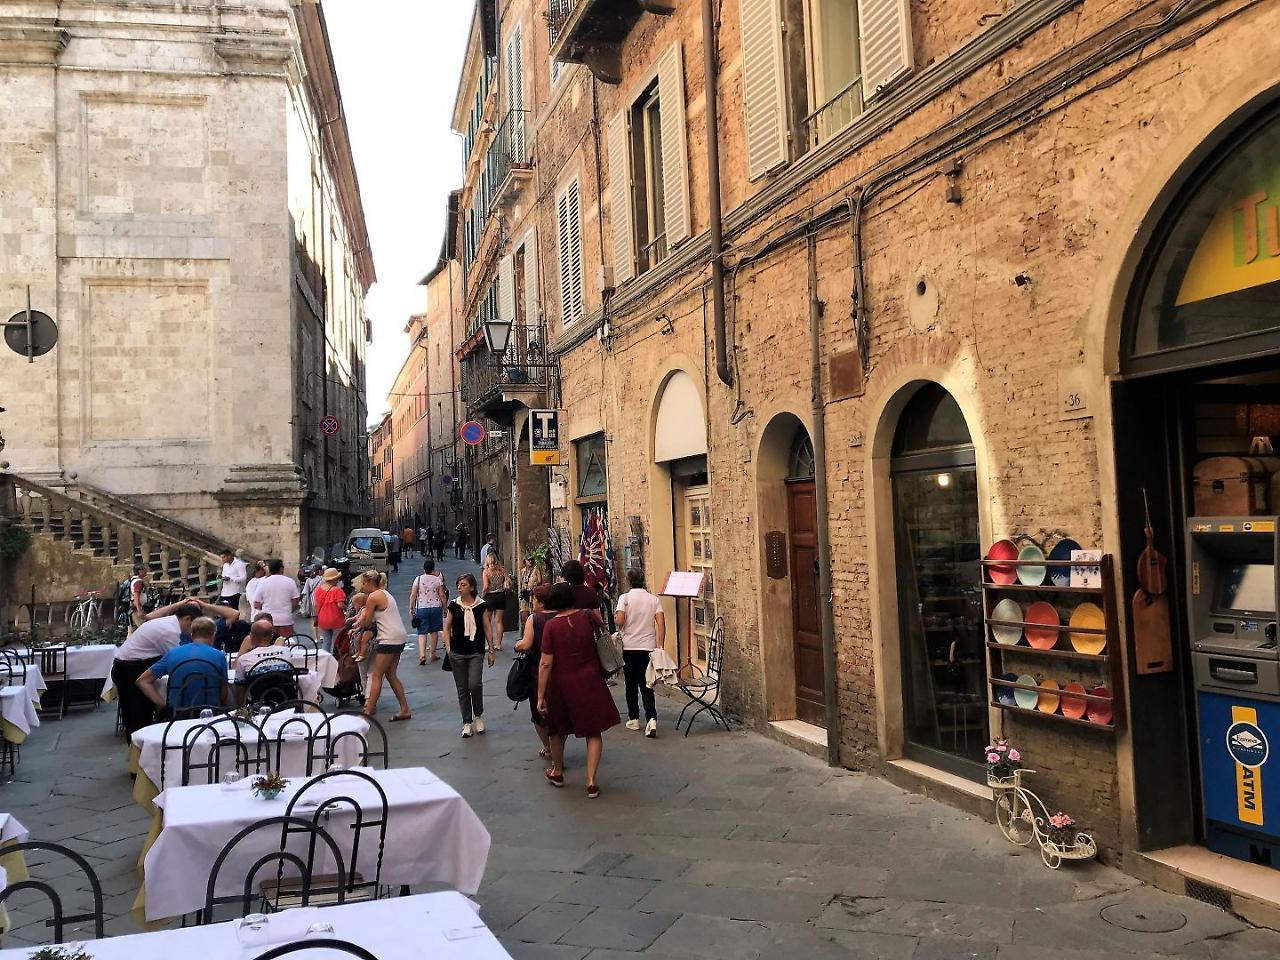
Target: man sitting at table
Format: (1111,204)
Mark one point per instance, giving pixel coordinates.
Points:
(161,632)
(264,658)
(197,671)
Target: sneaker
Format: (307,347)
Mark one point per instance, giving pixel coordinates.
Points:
(479,724)
(466,731)
(651,729)
(633,724)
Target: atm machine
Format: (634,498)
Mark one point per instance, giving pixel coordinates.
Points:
(1232,593)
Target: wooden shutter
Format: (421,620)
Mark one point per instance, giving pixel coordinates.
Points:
(507,289)
(675,153)
(620,194)
(763,92)
(884,42)
(515,97)
(570,243)
(530,292)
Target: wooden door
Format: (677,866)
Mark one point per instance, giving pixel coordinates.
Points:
(802,516)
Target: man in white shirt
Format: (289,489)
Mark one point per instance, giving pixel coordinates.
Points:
(279,596)
(145,646)
(234,577)
(643,626)
(490,544)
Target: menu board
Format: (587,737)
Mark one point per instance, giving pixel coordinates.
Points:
(683,584)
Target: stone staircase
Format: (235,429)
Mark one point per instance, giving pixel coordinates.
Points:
(83,539)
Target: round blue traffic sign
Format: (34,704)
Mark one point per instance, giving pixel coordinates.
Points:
(471,432)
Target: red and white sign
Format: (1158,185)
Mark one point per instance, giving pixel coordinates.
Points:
(472,432)
(330,425)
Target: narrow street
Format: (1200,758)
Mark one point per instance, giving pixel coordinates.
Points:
(715,846)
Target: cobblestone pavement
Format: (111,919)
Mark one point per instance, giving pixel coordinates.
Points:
(716,846)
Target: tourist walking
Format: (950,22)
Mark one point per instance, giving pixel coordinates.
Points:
(442,541)
(306,602)
(643,626)
(460,541)
(466,642)
(530,645)
(279,596)
(572,694)
(330,603)
(407,539)
(381,611)
(427,597)
(530,579)
(584,597)
(495,585)
(394,548)
(490,546)
(254,585)
(424,542)
(234,577)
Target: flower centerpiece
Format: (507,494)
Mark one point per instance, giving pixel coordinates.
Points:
(268,786)
(71,952)
(1003,760)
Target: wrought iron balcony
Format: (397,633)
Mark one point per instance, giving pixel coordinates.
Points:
(495,387)
(591,31)
(510,166)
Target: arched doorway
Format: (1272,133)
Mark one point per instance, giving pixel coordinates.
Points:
(936,546)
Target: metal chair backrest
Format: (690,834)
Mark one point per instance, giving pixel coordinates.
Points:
(272,680)
(60,918)
(321,945)
(226,733)
(53,660)
(310,651)
(194,686)
(303,724)
(281,828)
(12,664)
(715,650)
(373,745)
(365,819)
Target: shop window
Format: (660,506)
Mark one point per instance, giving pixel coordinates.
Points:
(589,457)
(1210,286)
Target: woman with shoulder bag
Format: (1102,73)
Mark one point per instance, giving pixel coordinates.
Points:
(530,646)
(329,601)
(572,694)
(427,598)
(495,586)
(466,642)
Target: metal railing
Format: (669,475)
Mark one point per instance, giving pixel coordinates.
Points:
(558,14)
(510,147)
(523,366)
(834,115)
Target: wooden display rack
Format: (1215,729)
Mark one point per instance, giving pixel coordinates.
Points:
(992,593)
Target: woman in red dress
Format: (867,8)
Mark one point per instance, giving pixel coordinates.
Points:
(572,694)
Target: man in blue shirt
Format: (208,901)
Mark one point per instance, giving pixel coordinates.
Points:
(197,671)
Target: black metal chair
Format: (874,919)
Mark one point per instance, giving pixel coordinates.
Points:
(195,686)
(271,681)
(304,725)
(281,828)
(60,918)
(702,685)
(365,821)
(318,945)
(310,650)
(373,745)
(14,666)
(228,734)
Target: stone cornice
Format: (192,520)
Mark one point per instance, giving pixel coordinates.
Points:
(254,55)
(31,42)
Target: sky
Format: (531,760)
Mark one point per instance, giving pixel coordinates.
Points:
(398,63)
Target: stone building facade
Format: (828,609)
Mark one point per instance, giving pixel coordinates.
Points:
(955,303)
(171,200)
(444,333)
(382,475)
(410,405)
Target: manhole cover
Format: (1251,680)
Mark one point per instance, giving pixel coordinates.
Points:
(1128,917)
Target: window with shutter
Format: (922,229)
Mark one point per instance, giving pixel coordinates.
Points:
(675,154)
(620,198)
(515,96)
(569,230)
(506,289)
(530,292)
(763,89)
(885,43)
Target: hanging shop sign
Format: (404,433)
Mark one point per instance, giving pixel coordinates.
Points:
(544,438)
(1241,247)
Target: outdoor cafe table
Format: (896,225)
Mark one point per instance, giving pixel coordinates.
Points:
(13,866)
(18,715)
(433,837)
(87,661)
(34,681)
(439,926)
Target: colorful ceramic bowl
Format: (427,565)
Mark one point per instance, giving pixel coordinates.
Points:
(1033,575)
(1005,694)
(1089,617)
(1003,550)
(1044,613)
(1073,706)
(1026,699)
(1006,609)
(1048,700)
(1061,576)
(1097,711)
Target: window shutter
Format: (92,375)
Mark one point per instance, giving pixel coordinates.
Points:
(506,289)
(515,95)
(570,243)
(675,154)
(531,280)
(620,199)
(763,94)
(575,234)
(884,41)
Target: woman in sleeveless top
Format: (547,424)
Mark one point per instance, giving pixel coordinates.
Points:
(531,646)
(380,610)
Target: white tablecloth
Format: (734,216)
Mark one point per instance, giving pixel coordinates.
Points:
(11,829)
(433,836)
(441,926)
(16,708)
(310,684)
(149,739)
(35,680)
(91,661)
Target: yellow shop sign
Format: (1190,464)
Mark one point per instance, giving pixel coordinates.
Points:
(1240,248)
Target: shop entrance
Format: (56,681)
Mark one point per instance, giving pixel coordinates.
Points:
(1196,415)
(936,545)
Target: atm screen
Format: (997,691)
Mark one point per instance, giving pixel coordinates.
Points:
(1248,587)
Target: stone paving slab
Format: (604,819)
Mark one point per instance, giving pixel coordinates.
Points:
(716,846)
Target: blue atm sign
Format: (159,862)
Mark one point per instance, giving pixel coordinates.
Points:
(1235,748)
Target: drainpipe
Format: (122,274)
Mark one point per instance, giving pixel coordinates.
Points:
(825,609)
(710,73)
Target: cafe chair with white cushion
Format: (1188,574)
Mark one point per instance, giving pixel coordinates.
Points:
(279,830)
(318,799)
(60,917)
(271,680)
(317,944)
(204,760)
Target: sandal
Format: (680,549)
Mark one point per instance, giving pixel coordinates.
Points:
(593,791)
(398,717)
(555,779)
(422,661)
(545,753)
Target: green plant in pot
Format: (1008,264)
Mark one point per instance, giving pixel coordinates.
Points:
(269,786)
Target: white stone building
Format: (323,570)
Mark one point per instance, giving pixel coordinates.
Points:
(178,192)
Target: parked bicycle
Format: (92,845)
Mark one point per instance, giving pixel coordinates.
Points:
(86,616)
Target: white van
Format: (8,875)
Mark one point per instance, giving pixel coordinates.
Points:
(366,550)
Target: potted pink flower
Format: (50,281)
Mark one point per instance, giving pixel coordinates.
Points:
(1003,760)
(1062,830)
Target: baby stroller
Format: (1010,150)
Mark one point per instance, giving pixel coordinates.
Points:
(348,686)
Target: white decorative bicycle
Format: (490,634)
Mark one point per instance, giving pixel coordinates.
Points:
(1022,817)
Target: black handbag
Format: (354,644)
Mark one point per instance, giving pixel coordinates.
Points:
(416,622)
(445,665)
(519,683)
